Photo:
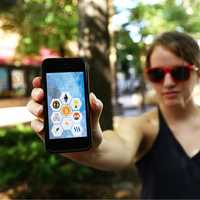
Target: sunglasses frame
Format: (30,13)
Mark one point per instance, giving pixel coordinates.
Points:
(168,69)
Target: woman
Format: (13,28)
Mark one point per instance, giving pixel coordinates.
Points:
(163,143)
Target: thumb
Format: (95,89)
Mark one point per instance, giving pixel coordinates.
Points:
(96,110)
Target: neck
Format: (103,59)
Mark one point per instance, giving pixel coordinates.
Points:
(179,112)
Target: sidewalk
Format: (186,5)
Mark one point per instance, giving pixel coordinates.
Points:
(14,115)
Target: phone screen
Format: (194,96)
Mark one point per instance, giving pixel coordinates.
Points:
(66,105)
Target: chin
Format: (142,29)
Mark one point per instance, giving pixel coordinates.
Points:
(171,102)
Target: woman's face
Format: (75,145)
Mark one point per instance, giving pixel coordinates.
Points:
(169,91)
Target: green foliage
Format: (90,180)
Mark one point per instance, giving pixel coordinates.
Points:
(42,23)
(151,20)
(24,160)
(127,47)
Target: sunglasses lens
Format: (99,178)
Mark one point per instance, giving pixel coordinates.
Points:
(181,73)
(156,75)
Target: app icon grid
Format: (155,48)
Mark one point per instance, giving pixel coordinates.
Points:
(66,105)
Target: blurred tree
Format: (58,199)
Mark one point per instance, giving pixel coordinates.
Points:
(148,20)
(94,43)
(51,23)
(41,23)
(127,47)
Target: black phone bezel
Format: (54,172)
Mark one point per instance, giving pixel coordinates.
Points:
(51,65)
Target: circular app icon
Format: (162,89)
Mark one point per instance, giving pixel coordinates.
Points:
(57,130)
(77,130)
(76,103)
(55,104)
(56,117)
(66,110)
(77,116)
(67,123)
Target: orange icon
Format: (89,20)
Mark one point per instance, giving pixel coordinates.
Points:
(67,122)
(76,103)
(66,110)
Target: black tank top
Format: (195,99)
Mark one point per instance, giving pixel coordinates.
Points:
(166,171)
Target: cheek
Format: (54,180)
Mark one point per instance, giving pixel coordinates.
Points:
(157,88)
(187,88)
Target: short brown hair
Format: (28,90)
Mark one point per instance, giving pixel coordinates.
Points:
(180,44)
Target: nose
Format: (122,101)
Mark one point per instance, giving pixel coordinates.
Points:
(168,81)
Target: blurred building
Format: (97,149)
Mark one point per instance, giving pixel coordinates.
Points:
(15,77)
(15,81)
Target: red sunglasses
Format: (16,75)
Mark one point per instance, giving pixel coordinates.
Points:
(178,73)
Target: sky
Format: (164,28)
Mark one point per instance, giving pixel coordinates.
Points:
(123,15)
(124,6)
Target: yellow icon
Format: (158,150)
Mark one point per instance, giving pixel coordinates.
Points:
(66,110)
(76,103)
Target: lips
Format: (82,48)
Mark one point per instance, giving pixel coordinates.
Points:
(170,94)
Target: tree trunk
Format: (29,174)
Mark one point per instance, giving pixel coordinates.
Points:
(94,44)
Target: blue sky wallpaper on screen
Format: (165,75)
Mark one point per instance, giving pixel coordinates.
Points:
(72,84)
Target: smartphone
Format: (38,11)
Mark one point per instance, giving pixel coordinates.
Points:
(66,105)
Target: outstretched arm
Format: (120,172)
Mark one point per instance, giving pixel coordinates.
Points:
(111,150)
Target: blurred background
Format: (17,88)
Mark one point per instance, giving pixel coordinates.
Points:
(113,36)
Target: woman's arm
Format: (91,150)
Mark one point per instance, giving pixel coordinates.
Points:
(112,149)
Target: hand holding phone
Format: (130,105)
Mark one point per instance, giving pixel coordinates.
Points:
(66,105)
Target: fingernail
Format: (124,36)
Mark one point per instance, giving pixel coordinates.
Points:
(97,103)
(93,95)
(37,91)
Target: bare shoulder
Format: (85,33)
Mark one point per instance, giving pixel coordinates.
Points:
(149,121)
(143,123)
(149,129)
(139,132)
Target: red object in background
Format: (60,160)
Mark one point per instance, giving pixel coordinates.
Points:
(48,53)
(3,60)
(6,58)
(37,60)
(31,61)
